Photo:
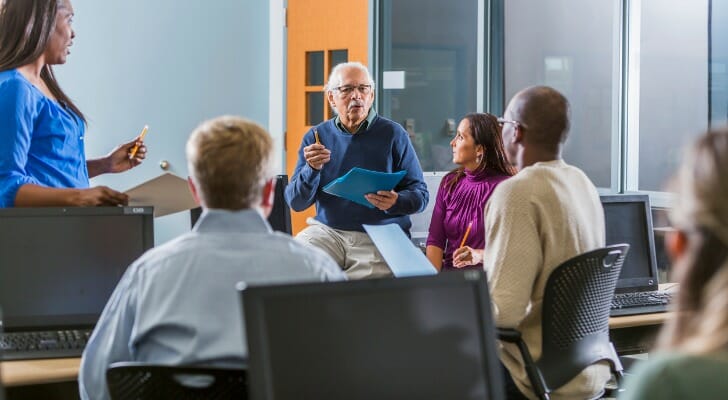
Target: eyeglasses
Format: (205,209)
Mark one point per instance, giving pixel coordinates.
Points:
(517,124)
(349,89)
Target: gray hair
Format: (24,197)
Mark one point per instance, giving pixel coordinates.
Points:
(335,75)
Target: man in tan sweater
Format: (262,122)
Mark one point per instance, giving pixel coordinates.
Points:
(545,214)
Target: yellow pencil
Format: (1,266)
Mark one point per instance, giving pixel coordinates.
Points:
(467,232)
(141,138)
(315,133)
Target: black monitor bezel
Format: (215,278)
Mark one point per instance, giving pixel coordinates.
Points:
(253,299)
(637,284)
(70,321)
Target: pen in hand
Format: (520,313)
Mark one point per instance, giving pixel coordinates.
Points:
(315,134)
(134,149)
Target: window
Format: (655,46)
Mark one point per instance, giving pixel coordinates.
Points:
(314,68)
(644,77)
(671,68)
(315,81)
(718,62)
(314,108)
(337,57)
(427,77)
(572,46)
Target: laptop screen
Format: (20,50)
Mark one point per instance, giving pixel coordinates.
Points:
(628,219)
(58,266)
(420,338)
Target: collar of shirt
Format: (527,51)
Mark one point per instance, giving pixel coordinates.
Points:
(364,125)
(559,163)
(247,220)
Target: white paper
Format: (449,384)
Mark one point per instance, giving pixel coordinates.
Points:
(168,193)
(393,80)
(402,257)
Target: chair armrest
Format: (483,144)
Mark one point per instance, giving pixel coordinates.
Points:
(509,335)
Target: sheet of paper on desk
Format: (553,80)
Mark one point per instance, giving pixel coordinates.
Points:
(168,193)
(359,181)
(403,258)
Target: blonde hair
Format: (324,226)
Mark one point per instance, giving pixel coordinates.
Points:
(701,212)
(229,161)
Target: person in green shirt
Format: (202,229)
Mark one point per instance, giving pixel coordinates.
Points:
(691,357)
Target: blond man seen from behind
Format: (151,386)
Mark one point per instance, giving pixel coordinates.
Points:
(177,304)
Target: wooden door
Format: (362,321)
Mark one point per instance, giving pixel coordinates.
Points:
(321,34)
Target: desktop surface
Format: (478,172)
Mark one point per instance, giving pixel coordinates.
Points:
(39,372)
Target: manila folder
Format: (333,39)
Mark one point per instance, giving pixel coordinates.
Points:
(168,193)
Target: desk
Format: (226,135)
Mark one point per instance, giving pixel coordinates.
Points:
(630,334)
(34,372)
(630,321)
(636,333)
(49,379)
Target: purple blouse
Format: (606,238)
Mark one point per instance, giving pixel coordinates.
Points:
(456,208)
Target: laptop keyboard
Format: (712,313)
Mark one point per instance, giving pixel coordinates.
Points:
(43,344)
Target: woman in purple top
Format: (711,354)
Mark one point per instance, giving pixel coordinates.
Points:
(477,149)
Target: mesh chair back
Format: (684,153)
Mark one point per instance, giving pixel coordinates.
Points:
(143,381)
(576,307)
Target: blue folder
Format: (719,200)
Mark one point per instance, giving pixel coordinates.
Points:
(402,257)
(359,181)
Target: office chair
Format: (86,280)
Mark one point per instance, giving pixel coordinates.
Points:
(575,324)
(139,381)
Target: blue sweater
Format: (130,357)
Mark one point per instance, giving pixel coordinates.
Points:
(382,146)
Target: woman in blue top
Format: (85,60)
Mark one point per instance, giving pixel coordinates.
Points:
(42,161)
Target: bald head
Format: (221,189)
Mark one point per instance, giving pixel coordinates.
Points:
(544,114)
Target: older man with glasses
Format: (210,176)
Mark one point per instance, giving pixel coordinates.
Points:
(355,137)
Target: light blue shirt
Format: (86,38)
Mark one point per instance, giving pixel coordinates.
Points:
(177,304)
(41,141)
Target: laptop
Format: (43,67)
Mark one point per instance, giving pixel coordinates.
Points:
(425,337)
(628,219)
(58,268)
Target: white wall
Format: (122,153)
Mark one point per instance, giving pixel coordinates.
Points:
(170,64)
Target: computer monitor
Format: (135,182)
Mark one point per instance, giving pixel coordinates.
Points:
(628,219)
(58,266)
(279,218)
(410,338)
